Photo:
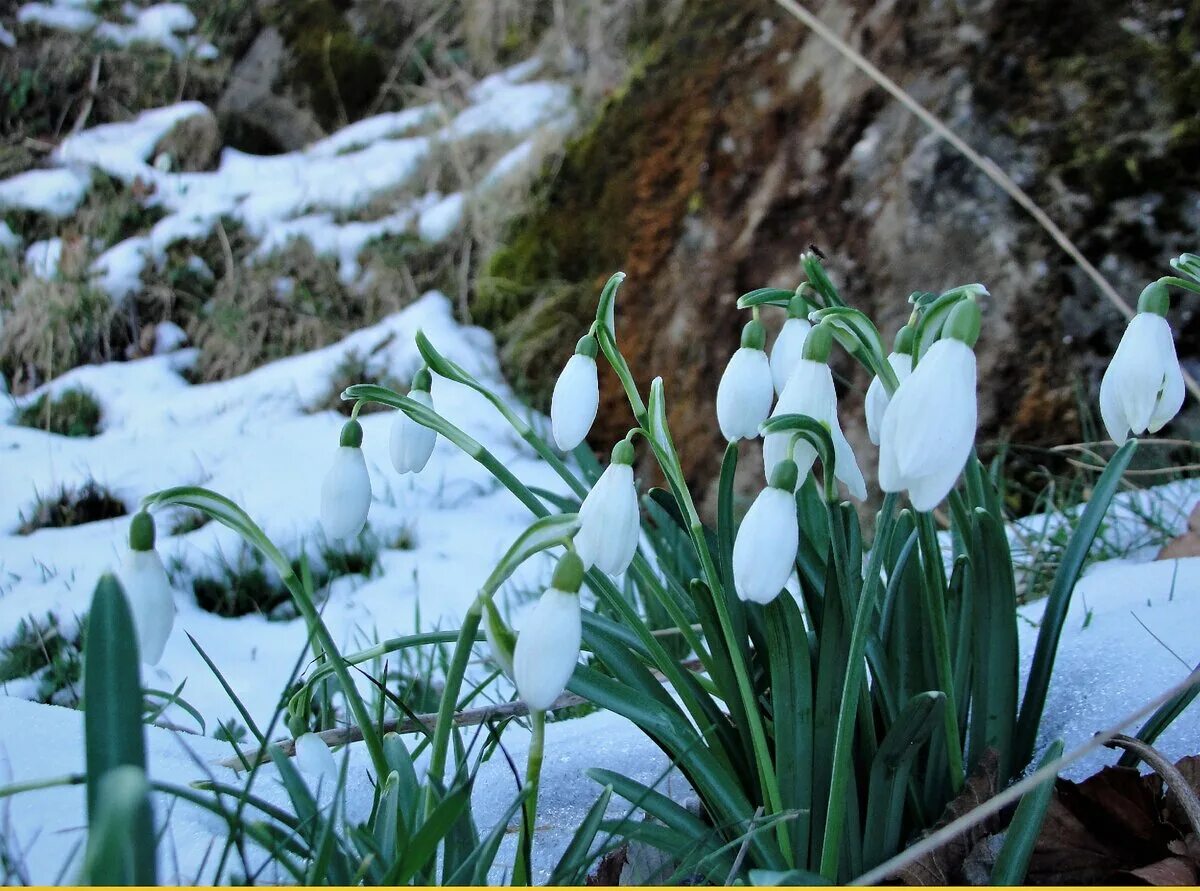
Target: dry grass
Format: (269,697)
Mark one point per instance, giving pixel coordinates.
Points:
(70,506)
(54,326)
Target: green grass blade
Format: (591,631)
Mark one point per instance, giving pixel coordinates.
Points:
(1059,600)
(1013,861)
(577,856)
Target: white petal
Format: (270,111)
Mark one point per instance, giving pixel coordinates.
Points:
(547,649)
(575,401)
(609,521)
(744,394)
(809,391)
(788,350)
(890,477)
(1137,369)
(764,550)
(935,409)
(846,466)
(877,394)
(151,601)
(314,759)
(1111,411)
(927,492)
(1171,399)
(346,494)
(411,444)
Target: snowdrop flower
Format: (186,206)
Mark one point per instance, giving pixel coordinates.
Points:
(548,645)
(789,345)
(346,492)
(745,392)
(411,443)
(609,517)
(576,396)
(928,428)
(148,590)
(314,759)
(810,391)
(766,544)
(877,395)
(1142,388)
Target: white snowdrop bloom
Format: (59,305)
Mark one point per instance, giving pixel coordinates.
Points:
(411,444)
(810,391)
(610,521)
(746,390)
(346,492)
(148,590)
(576,396)
(548,645)
(788,350)
(928,428)
(315,760)
(1142,388)
(877,394)
(765,548)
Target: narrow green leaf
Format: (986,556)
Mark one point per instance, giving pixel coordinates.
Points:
(765,297)
(1162,718)
(577,857)
(1013,861)
(792,713)
(121,838)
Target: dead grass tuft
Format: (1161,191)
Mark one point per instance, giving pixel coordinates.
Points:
(89,503)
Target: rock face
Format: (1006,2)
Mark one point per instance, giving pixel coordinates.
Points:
(744,138)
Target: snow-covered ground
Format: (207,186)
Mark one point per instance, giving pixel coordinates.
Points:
(171,26)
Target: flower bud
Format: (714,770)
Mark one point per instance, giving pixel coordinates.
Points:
(764,550)
(928,428)
(314,760)
(609,518)
(148,590)
(1142,389)
(411,444)
(746,390)
(576,397)
(346,492)
(548,645)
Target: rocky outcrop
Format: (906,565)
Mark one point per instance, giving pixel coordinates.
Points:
(743,139)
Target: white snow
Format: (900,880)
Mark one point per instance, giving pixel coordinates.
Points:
(42,258)
(168,337)
(121,149)
(167,25)
(56,192)
(440,220)
(6,38)
(57,16)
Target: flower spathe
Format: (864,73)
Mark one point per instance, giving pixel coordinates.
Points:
(877,395)
(928,428)
(346,492)
(1142,388)
(411,444)
(764,550)
(548,645)
(148,590)
(810,391)
(746,390)
(788,350)
(576,397)
(609,519)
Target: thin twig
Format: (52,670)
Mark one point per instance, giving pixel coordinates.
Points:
(989,167)
(1184,793)
(93,85)
(999,802)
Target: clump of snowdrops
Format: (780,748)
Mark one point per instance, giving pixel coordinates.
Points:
(829,698)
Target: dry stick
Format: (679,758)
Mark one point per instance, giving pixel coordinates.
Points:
(1010,795)
(1184,793)
(93,86)
(340,736)
(985,164)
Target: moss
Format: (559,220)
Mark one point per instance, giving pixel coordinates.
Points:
(90,503)
(73,412)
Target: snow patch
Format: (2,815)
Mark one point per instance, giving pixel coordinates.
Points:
(56,192)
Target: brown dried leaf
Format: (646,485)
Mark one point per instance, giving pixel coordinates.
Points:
(1186,545)
(1169,871)
(944,866)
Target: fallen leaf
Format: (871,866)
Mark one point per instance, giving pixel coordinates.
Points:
(1186,545)
(1169,871)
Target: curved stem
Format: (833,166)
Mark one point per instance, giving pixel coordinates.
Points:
(523,868)
(453,684)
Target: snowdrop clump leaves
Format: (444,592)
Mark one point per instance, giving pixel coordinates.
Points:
(778,661)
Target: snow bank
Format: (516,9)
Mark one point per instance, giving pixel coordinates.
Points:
(167,25)
(54,192)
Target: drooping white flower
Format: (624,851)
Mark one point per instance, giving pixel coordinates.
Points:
(788,350)
(877,394)
(346,492)
(810,391)
(765,548)
(928,428)
(609,519)
(411,443)
(148,590)
(548,645)
(745,392)
(315,760)
(576,396)
(1142,388)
